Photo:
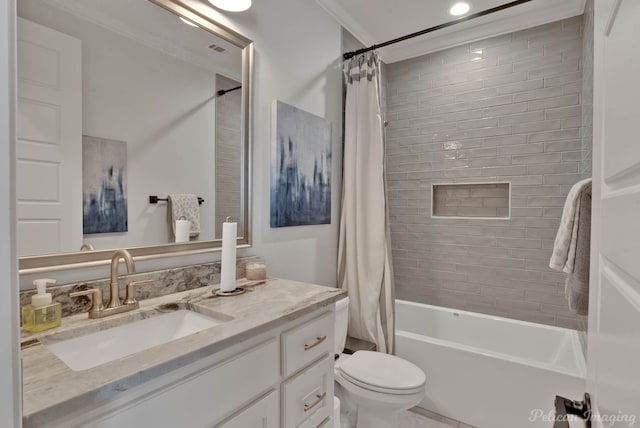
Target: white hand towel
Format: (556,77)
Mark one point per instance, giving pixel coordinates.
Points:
(564,248)
(577,284)
(187,206)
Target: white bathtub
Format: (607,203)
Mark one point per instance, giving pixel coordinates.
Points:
(487,371)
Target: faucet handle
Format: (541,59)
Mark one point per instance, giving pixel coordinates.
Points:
(130,298)
(96,299)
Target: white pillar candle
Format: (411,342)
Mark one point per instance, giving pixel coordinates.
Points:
(228,268)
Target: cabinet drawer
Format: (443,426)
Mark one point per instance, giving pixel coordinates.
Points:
(306,343)
(203,397)
(308,397)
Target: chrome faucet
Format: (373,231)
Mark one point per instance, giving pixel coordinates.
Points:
(114,299)
(115,306)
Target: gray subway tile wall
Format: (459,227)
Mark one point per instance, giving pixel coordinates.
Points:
(505,109)
(587,91)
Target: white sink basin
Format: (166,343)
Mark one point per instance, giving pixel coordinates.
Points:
(94,349)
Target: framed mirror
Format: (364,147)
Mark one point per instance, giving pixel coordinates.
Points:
(122,104)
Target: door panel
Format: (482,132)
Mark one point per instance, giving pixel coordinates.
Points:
(45,188)
(621,150)
(39,64)
(622,226)
(49,146)
(38,122)
(619,374)
(614,311)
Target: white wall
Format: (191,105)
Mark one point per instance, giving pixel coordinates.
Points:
(349,42)
(162,107)
(10,382)
(297,60)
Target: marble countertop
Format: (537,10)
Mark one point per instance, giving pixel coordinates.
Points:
(51,389)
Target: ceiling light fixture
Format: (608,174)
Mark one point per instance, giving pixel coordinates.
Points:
(231,5)
(186,21)
(457,9)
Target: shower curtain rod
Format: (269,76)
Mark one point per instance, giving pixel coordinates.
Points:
(221,92)
(349,55)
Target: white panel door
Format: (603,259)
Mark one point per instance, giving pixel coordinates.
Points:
(49,146)
(614,321)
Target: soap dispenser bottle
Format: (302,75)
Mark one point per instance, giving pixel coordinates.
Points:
(41,314)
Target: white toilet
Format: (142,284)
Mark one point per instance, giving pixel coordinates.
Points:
(373,387)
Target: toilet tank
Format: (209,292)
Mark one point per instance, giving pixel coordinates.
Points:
(342,323)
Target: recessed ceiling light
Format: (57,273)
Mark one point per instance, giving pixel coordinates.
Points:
(186,21)
(232,5)
(457,9)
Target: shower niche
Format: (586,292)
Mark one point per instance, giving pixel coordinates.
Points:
(471,200)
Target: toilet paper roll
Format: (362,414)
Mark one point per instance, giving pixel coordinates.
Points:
(228,268)
(182,230)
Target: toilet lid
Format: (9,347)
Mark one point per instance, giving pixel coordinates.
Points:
(382,371)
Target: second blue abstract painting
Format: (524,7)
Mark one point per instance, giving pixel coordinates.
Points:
(300,167)
(104,183)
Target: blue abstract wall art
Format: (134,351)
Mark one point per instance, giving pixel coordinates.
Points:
(300,167)
(104,185)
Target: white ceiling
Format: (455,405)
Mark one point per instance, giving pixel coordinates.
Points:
(152,26)
(376,21)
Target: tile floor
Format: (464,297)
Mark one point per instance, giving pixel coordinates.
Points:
(414,418)
(421,418)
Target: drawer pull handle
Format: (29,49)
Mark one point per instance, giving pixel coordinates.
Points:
(319,398)
(318,341)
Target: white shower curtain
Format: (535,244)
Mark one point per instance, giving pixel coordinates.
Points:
(364,250)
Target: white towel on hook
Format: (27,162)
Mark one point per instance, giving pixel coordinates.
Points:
(564,249)
(187,206)
(577,283)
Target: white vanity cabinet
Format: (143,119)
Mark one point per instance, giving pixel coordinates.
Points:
(307,398)
(307,366)
(198,395)
(263,414)
(282,378)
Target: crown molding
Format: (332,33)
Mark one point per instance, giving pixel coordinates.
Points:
(333,8)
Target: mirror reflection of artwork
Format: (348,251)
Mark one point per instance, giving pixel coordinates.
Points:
(104,185)
(300,168)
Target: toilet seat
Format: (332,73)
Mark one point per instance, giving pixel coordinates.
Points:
(383,373)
